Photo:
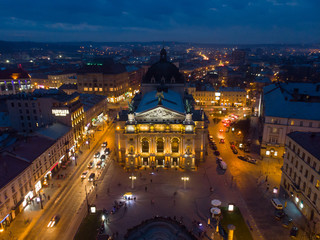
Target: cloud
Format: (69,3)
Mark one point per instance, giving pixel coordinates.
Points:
(146,20)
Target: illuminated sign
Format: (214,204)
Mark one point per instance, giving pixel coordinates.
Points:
(38,186)
(217,94)
(60,112)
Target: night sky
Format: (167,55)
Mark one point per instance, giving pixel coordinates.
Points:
(200,21)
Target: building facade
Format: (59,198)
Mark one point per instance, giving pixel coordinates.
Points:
(160,128)
(286,110)
(224,96)
(301,175)
(13,81)
(104,77)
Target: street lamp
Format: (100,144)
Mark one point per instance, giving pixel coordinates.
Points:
(185,179)
(132,180)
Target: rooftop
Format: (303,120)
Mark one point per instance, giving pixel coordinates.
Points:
(31,147)
(90,100)
(10,167)
(292,100)
(13,74)
(55,131)
(170,100)
(309,141)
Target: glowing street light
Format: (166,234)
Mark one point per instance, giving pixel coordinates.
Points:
(132,180)
(185,179)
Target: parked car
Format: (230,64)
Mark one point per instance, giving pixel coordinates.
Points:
(97,154)
(211,138)
(246,149)
(221,140)
(241,158)
(278,214)
(250,159)
(276,203)
(104,144)
(90,165)
(107,151)
(294,232)
(214,147)
(217,153)
(84,174)
(234,150)
(286,221)
(92,177)
(54,220)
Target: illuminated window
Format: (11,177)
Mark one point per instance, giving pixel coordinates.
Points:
(100,89)
(292,122)
(175,145)
(90,89)
(85,89)
(160,145)
(145,145)
(267,153)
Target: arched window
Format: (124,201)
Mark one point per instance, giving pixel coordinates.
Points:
(175,145)
(145,145)
(131,149)
(160,145)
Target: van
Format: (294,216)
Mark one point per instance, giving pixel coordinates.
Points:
(92,176)
(223,165)
(276,203)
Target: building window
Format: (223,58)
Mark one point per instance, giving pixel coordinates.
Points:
(145,145)
(310,124)
(292,122)
(306,174)
(301,169)
(303,156)
(308,160)
(304,187)
(160,145)
(12,104)
(175,145)
(312,178)
(315,197)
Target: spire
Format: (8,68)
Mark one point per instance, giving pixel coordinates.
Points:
(163,55)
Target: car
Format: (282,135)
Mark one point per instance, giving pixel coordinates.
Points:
(84,174)
(92,177)
(235,151)
(211,138)
(219,159)
(286,221)
(98,165)
(221,140)
(250,159)
(90,165)
(214,147)
(104,144)
(276,203)
(279,214)
(97,154)
(103,157)
(107,151)
(241,158)
(54,220)
(294,232)
(217,153)
(221,130)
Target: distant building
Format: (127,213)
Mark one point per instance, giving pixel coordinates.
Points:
(56,80)
(288,108)
(206,95)
(301,175)
(28,112)
(13,81)
(239,57)
(104,77)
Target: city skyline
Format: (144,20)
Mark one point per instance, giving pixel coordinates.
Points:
(221,22)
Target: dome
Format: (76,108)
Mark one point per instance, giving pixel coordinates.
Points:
(163,72)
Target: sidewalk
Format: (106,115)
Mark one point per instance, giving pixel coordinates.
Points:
(33,212)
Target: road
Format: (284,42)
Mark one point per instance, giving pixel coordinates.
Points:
(250,180)
(71,196)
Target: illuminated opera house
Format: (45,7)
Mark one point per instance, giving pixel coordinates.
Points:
(161,128)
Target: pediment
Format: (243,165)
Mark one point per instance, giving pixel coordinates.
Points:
(159,114)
